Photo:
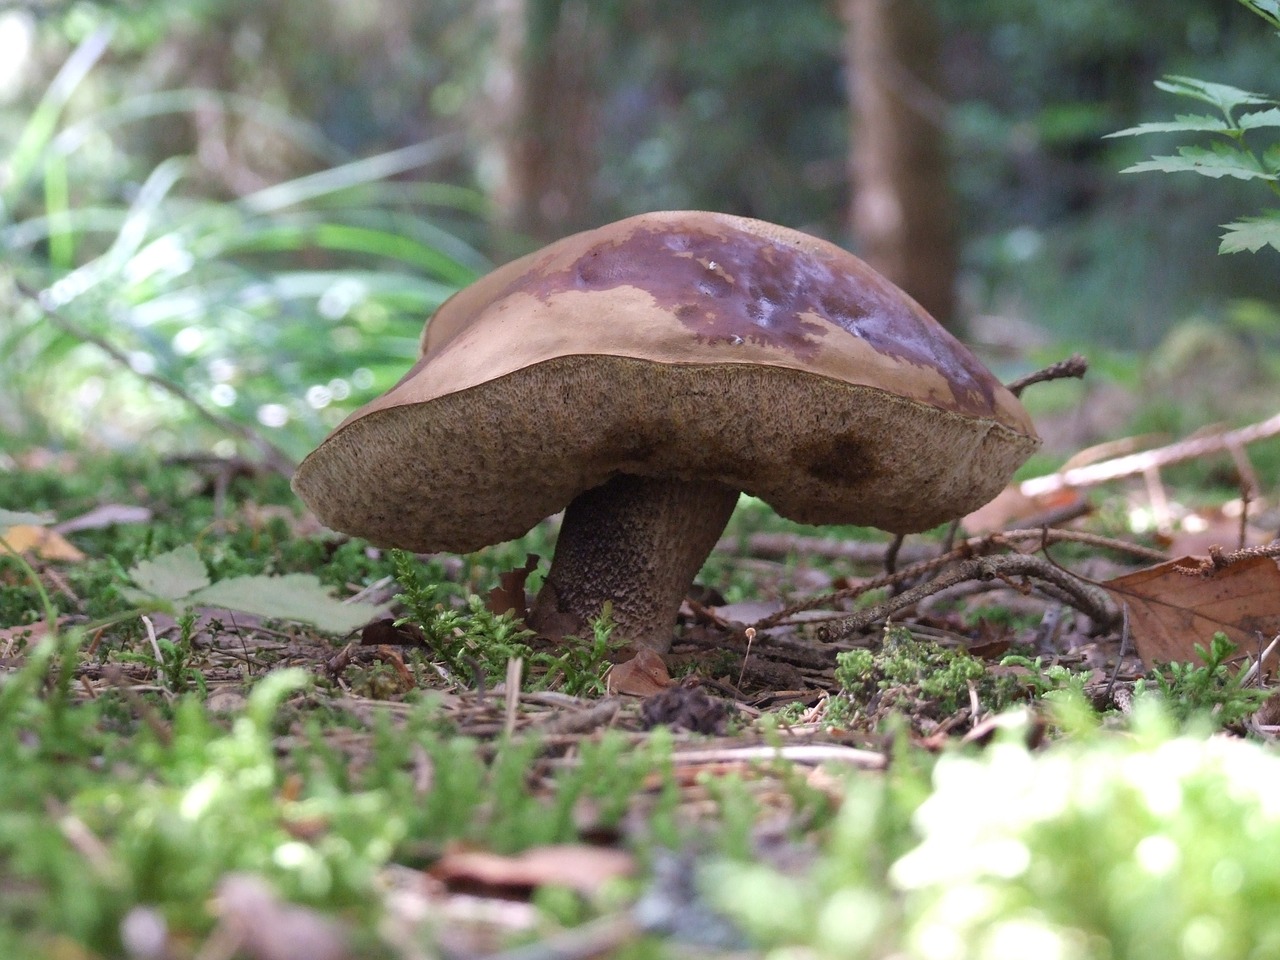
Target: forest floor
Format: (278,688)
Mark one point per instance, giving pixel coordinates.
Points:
(973,754)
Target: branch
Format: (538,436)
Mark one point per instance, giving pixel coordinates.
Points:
(1088,599)
(1138,463)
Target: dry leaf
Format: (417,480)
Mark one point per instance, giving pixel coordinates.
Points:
(509,594)
(576,866)
(41,542)
(264,927)
(641,676)
(107,515)
(1170,612)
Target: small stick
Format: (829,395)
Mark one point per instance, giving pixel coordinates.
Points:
(1073,367)
(515,669)
(1090,600)
(1134,463)
(891,554)
(968,548)
(1124,645)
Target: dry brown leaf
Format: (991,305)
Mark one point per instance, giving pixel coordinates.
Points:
(576,866)
(509,594)
(106,515)
(30,632)
(642,676)
(41,542)
(265,927)
(1170,612)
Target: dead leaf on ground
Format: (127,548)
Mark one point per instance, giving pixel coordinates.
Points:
(28,631)
(1171,612)
(41,542)
(265,927)
(384,632)
(576,866)
(509,595)
(642,676)
(106,515)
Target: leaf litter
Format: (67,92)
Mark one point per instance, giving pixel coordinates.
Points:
(732,682)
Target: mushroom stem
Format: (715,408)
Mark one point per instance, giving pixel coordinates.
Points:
(638,543)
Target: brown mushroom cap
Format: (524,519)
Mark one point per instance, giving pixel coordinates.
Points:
(689,345)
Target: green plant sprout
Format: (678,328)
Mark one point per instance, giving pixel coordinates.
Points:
(582,665)
(1215,689)
(1233,152)
(473,642)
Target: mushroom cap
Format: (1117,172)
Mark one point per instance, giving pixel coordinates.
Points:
(684,344)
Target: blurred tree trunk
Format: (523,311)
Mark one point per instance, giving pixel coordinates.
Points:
(900,208)
(542,92)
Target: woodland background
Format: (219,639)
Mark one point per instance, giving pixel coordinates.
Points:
(259,202)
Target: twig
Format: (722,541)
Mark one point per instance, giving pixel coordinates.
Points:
(515,670)
(809,753)
(1137,463)
(1074,366)
(1217,560)
(275,458)
(1124,645)
(1088,599)
(976,546)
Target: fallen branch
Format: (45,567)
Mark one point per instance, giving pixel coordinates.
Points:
(1148,460)
(1090,600)
(974,547)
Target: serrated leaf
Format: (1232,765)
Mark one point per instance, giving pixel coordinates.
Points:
(1251,234)
(1222,161)
(1184,122)
(1222,96)
(16,518)
(294,596)
(171,575)
(1259,118)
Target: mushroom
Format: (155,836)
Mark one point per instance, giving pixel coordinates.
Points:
(641,376)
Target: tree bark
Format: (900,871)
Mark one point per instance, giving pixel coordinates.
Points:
(900,207)
(541,160)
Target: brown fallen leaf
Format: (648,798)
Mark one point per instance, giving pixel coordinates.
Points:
(106,515)
(576,866)
(642,676)
(259,925)
(1171,612)
(509,595)
(28,631)
(41,542)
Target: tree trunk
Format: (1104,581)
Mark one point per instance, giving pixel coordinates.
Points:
(541,161)
(900,208)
